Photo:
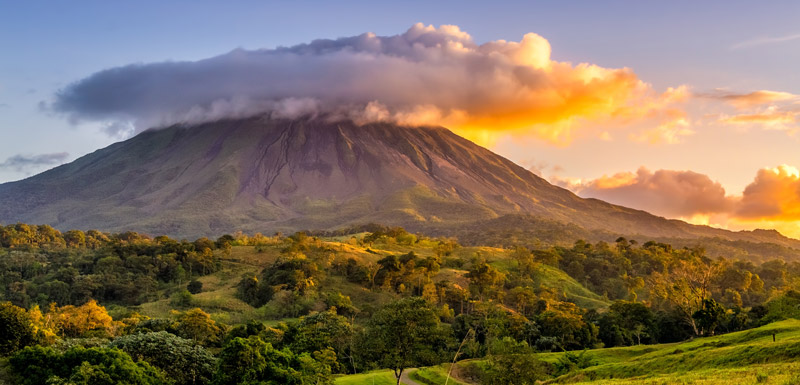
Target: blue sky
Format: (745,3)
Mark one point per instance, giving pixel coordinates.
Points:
(737,46)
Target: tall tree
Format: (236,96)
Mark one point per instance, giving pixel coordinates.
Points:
(404,334)
(685,284)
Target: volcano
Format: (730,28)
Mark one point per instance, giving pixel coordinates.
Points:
(266,175)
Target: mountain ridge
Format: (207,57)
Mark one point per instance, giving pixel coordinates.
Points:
(265,175)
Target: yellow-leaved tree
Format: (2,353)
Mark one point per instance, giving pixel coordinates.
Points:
(89,319)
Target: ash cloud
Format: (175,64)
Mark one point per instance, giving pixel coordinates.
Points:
(28,163)
(426,75)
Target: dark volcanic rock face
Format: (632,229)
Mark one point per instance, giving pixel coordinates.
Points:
(260,175)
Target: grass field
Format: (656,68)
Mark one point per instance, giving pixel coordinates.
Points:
(747,357)
(378,377)
(730,352)
(434,375)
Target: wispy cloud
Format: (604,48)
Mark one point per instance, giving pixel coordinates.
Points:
(765,41)
(28,163)
(750,99)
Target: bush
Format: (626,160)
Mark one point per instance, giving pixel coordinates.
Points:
(16,329)
(194,286)
(81,366)
(253,361)
(515,369)
(184,361)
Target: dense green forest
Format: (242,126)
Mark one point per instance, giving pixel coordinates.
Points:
(95,308)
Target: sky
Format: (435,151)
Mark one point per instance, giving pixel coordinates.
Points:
(686,109)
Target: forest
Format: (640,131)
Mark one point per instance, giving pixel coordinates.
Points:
(95,308)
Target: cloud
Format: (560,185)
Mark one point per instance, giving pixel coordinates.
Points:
(773,195)
(668,193)
(27,163)
(669,132)
(771,118)
(119,129)
(766,109)
(765,41)
(751,99)
(772,200)
(426,75)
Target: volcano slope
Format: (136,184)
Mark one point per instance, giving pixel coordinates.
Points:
(267,175)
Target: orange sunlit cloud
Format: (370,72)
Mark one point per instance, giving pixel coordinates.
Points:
(752,99)
(773,195)
(663,192)
(529,94)
(772,200)
(771,118)
(425,76)
(771,110)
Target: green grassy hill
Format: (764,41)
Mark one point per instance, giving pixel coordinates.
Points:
(747,357)
(219,289)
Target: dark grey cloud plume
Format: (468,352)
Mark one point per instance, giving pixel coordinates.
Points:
(26,163)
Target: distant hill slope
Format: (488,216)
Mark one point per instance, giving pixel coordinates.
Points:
(735,358)
(261,175)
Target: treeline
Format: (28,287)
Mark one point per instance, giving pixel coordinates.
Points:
(84,345)
(422,301)
(40,265)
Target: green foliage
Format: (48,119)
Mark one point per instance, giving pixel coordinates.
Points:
(42,265)
(194,286)
(294,273)
(566,323)
(182,360)
(709,317)
(404,334)
(739,352)
(484,278)
(515,369)
(16,329)
(82,366)
(251,360)
(782,307)
(325,330)
(197,325)
(182,299)
(569,361)
(627,323)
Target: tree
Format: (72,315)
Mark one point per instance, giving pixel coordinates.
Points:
(626,323)
(323,330)
(513,363)
(253,361)
(198,325)
(194,286)
(484,277)
(182,360)
(526,265)
(78,321)
(685,285)
(404,334)
(81,366)
(565,321)
(709,317)
(16,328)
